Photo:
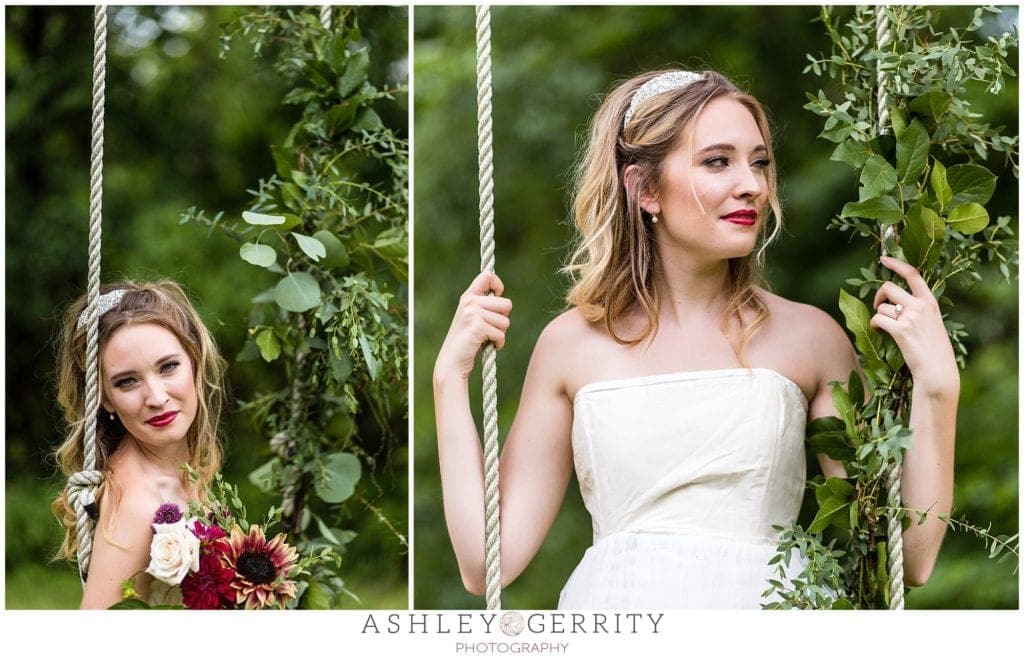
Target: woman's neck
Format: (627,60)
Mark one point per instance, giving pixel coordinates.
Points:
(165,462)
(688,289)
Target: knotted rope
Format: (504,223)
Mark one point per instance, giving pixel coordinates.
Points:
(894,480)
(325,16)
(485,164)
(82,486)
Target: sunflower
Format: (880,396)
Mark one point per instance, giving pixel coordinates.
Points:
(261,568)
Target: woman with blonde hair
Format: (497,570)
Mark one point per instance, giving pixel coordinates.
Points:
(160,400)
(677,385)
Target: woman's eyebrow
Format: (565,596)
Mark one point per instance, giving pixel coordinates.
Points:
(761,148)
(159,362)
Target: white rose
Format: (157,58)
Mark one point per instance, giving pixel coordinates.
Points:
(173,553)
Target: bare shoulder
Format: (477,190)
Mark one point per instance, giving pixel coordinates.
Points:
(811,325)
(561,345)
(812,338)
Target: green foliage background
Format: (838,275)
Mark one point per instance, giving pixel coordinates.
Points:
(183,128)
(551,64)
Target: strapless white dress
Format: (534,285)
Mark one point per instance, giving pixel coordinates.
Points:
(684,475)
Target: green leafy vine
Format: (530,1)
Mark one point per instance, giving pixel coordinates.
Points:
(921,197)
(330,230)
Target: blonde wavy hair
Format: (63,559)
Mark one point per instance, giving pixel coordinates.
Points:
(162,303)
(614,258)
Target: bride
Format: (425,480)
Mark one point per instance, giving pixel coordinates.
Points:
(160,400)
(676,385)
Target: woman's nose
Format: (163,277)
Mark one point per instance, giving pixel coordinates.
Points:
(750,183)
(156,394)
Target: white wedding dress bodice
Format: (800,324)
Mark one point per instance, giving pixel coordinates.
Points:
(684,475)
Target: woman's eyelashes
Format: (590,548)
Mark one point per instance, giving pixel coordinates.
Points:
(721,162)
(128,382)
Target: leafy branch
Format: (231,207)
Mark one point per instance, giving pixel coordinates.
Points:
(922,192)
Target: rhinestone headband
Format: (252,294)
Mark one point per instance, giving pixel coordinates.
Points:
(105,303)
(665,82)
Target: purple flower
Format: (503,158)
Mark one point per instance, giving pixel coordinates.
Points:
(167,513)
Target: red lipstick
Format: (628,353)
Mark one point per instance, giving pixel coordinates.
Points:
(162,420)
(741,217)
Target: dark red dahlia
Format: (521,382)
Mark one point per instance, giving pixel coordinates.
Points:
(210,538)
(210,587)
(167,513)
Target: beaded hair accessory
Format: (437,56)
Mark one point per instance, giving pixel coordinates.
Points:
(665,82)
(105,303)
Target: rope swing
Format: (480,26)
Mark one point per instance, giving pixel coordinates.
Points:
(894,480)
(82,485)
(485,163)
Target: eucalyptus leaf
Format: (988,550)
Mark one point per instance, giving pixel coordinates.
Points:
(290,221)
(341,473)
(263,476)
(311,247)
(336,255)
(255,218)
(297,292)
(259,254)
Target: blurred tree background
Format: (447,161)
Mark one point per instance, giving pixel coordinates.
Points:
(551,66)
(184,128)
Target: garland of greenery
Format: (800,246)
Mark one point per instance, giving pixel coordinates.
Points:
(335,320)
(922,195)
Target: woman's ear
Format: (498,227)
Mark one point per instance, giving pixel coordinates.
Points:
(633,179)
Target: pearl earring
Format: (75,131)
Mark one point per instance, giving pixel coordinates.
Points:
(112,416)
(654,218)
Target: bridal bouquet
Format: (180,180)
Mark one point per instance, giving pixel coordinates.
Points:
(212,558)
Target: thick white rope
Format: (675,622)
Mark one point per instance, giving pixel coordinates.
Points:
(883,37)
(82,485)
(325,16)
(490,372)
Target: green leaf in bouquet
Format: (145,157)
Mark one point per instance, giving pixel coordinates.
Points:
(297,292)
(313,248)
(336,255)
(256,218)
(315,597)
(258,254)
(263,476)
(341,473)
